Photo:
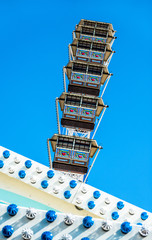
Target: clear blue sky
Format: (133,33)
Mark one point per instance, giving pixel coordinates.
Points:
(34,48)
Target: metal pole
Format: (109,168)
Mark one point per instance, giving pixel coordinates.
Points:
(99,122)
(49,152)
(64,79)
(71,53)
(105,86)
(57,112)
(92,163)
(112,42)
(109,60)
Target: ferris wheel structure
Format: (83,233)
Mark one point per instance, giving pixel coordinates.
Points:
(44,203)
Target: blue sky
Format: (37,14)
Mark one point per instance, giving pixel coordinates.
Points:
(34,48)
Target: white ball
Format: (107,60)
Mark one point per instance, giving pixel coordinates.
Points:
(106,226)
(69,219)
(31,213)
(144,231)
(27,233)
(61,179)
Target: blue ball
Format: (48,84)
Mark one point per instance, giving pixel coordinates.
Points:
(22,174)
(139,224)
(12,209)
(46,236)
(50,174)
(120,205)
(28,163)
(85,238)
(115,215)
(88,222)
(6,154)
(1,163)
(51,216)
(73,183)
(7,231)
(96,194)
(91,204)
(126,227)
(44,184)
(67,194)
(144,216)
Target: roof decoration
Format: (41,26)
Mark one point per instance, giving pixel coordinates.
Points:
(59,226)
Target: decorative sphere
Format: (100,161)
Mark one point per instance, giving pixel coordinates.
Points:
(6,154)
(12,209)
(88,222)
(69,219)
(67,194)
(50,174)
(126,227)
(22,174)
(115,215)
(144,216)
(1,163)
(44,184)
(91,204)
(144,231)
(11,170)
(46,236)
(39,170)
(106,226)
(107,201)
(31,213)
(33,179)
(51,216)
(7,231)
(28,163)
(102,211)
(96,194)
(55,190)
(73,183)
(78,200)
(120,205)
(84,190)
(16,160)
(61,179)
(131,211)
(27,233)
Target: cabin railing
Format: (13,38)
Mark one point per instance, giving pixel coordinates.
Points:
(70,156)
(89,55)
(93,38)
(79,113)
(85,79)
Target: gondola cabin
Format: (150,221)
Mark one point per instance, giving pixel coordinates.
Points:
(72,153)
(86,78)
(95,31)
(79,112)
(90,51)
(95,24)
